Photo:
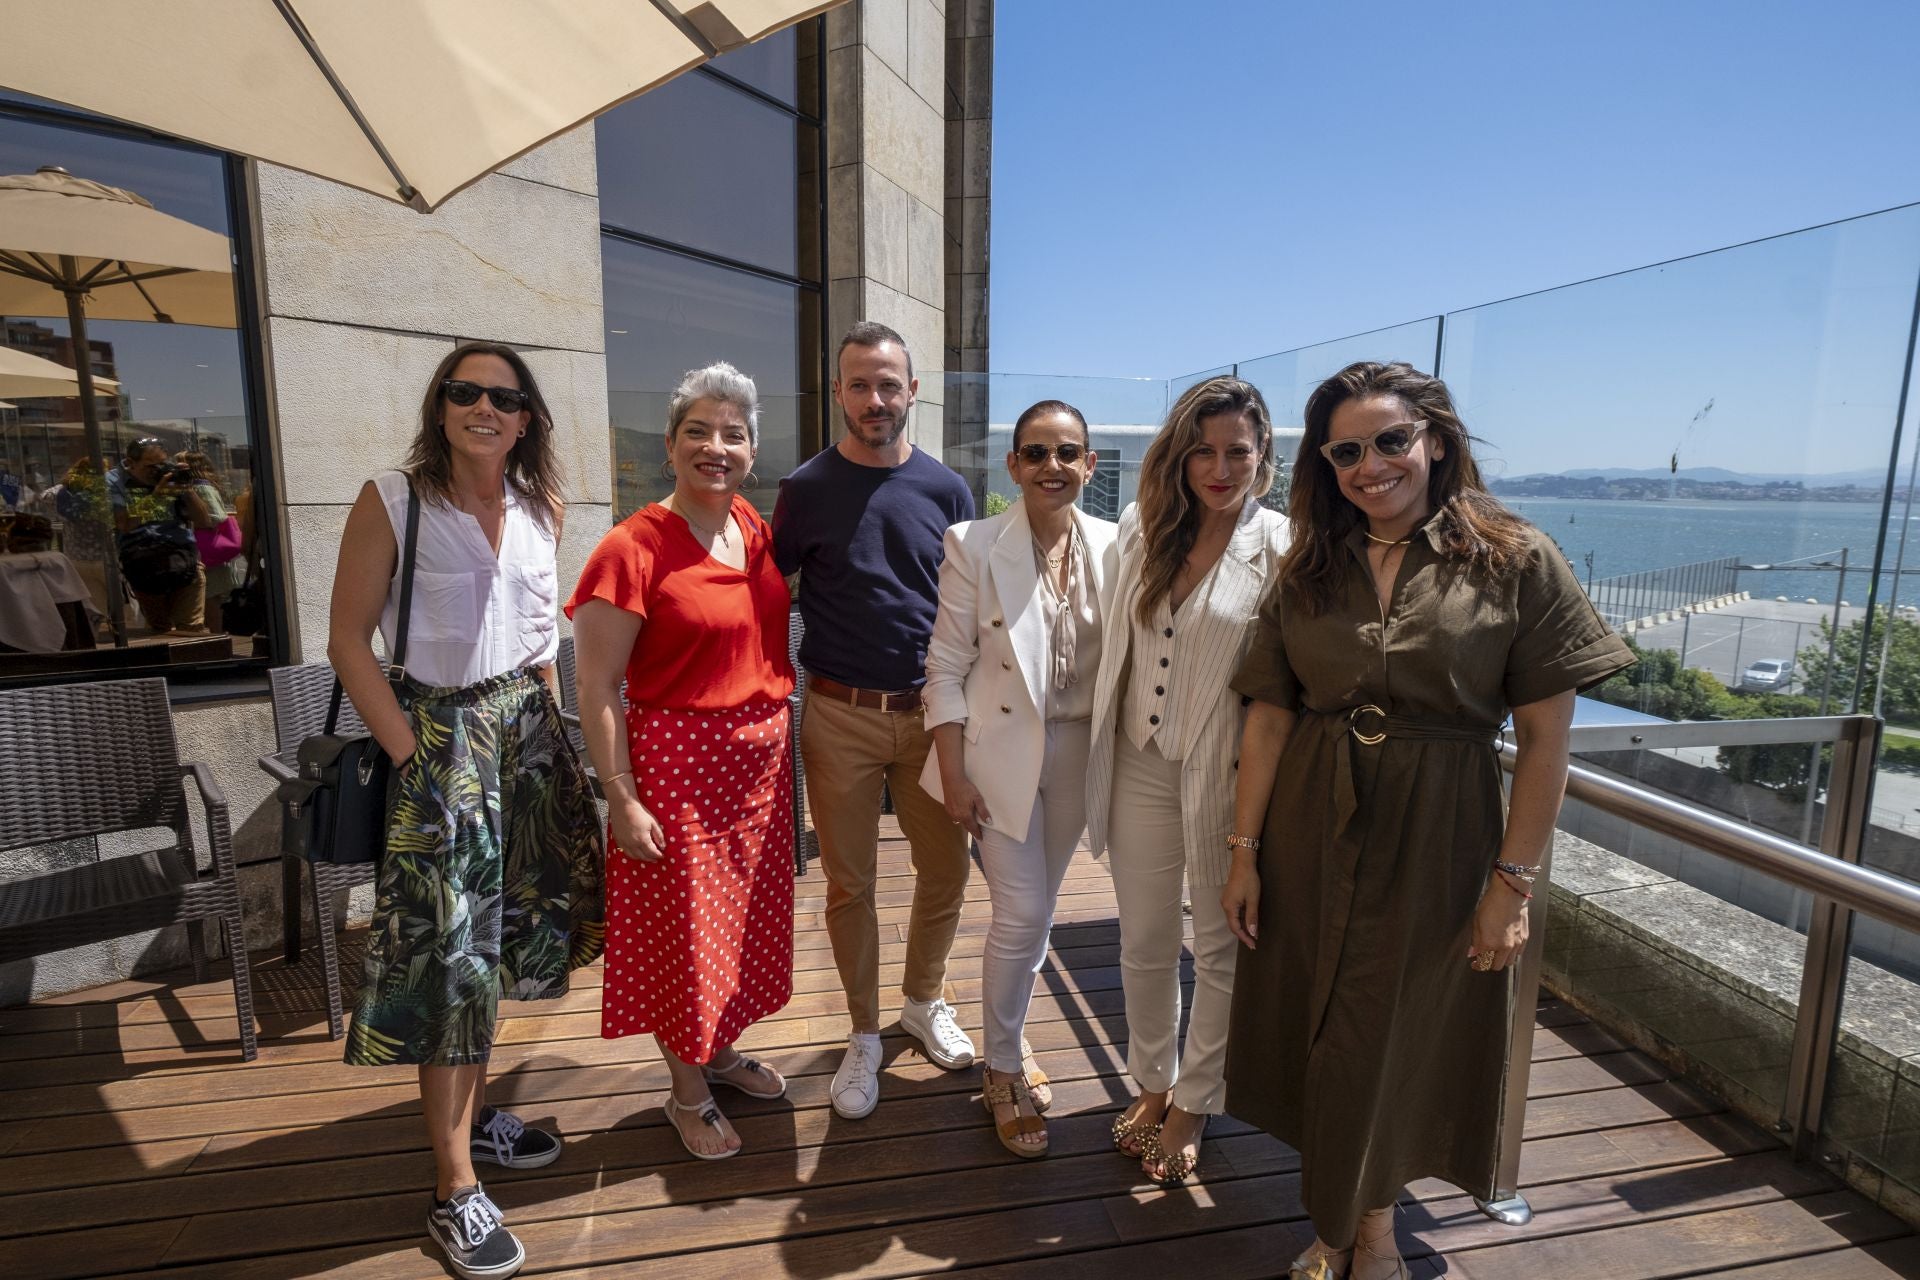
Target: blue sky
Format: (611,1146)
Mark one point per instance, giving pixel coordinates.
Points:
(1176,187)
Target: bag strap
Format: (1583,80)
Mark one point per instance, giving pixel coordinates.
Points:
(396,670)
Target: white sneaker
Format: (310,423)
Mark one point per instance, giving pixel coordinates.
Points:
(931,1023)
(856,1085)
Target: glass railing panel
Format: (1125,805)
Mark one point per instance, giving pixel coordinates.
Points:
(1288,378)
(1872,1115)
(1175,387)
(1683,953)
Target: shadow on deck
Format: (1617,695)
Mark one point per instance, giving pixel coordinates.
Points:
(133,1140)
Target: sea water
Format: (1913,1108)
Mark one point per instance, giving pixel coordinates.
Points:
(1630,537)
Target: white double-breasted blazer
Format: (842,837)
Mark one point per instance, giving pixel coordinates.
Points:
(987,660)
(1213,638)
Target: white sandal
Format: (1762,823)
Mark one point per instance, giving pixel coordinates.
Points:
(709,1113)
(752,1067)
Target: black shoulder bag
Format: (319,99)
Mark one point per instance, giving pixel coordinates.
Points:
(335,810)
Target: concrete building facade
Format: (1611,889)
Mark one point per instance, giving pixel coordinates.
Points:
(351,301)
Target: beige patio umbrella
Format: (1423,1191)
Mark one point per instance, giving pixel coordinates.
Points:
(408,99)
(26,375)
(74,248)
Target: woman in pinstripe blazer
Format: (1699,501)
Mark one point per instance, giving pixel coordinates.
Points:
(1196,556)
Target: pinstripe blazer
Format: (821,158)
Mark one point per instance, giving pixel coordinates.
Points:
(1213,640)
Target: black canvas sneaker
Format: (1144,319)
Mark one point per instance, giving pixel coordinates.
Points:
(500,1138)
(468,1229)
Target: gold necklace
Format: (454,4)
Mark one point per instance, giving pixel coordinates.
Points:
(720,533)
(1388,542)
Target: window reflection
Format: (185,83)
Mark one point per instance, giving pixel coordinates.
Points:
(161,536)
(667,314)
(701,164)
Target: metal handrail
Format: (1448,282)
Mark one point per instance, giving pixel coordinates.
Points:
(1839,885)
(1859,888)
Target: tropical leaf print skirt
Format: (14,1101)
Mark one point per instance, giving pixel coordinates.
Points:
(491,885)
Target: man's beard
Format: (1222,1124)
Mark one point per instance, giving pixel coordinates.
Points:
(862,432)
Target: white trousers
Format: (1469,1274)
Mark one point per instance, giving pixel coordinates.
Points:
(1147,852)
(1023,883)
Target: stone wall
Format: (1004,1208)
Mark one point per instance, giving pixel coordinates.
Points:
(969,110)
(887,186)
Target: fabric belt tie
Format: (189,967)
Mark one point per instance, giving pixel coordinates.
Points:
(1365,728)
(888,700)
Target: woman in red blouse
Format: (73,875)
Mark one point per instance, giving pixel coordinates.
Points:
(683,602)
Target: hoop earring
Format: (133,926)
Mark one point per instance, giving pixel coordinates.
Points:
(750,483)
(666,469)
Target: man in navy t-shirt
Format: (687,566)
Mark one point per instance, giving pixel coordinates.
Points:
(862,524)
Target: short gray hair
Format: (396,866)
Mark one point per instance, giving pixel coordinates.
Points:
(718,381)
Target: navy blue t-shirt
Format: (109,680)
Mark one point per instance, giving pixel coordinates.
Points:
(866,542)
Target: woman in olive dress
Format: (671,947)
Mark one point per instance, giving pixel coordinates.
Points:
(1382,913)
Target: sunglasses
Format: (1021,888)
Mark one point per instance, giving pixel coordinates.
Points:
(1035,455)
(1395,441)
(463,393)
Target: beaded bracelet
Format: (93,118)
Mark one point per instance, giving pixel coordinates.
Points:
(1528,874)
(1507,879)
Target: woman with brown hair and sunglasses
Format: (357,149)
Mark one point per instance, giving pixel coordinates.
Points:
(1379,894)
(1009,701)
(490,883)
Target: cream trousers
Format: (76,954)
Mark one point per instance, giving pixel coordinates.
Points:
(1023,881)
(1147,854)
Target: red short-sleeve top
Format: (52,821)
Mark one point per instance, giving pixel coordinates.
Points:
(714,637)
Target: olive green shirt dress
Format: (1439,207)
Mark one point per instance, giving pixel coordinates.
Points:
(1359,1035)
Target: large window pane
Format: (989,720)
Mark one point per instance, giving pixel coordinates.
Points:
(182,388)
(768,65)
(701,164)
(667,314)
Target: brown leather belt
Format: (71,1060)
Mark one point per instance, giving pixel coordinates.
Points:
(890,701)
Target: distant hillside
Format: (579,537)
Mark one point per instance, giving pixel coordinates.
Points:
(1716,475)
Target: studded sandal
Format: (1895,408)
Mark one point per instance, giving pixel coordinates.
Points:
(1179,1165)
(1012,1092)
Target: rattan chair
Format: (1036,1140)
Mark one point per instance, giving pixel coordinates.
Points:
(84,760)
(300,697)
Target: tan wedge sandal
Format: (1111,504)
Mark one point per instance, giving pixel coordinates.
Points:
(1013,1092)
(1037,1083)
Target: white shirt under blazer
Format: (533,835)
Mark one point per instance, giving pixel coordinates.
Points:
(1211,636)
(987,661)
(475,614)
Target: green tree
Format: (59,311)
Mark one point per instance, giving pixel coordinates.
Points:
(1659,686)
(996,503)
(1901,699)
(1783,766)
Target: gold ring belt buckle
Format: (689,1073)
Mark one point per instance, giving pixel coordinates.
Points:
(1353,726)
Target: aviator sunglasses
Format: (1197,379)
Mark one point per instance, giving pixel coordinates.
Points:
(1035,455)
(1395,441)
(463,393)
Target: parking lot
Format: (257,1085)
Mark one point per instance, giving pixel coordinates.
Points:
(1725,642)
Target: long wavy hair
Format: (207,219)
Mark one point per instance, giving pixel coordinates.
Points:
(532,468)
(1169,511)
(1474,528)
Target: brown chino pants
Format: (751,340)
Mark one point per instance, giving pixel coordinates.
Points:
(849,752)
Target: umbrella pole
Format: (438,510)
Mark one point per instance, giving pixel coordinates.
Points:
(90,416)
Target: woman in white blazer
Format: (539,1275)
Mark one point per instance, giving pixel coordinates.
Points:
(1197,553)
(1009,699)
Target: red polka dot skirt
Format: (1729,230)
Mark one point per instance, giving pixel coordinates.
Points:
(700,943)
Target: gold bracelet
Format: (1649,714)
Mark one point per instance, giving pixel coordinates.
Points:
(624,773)
(1249,843)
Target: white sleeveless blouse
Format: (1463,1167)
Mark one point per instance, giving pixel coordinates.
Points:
(475,614)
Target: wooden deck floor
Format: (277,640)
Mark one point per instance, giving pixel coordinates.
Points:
(133,1141)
